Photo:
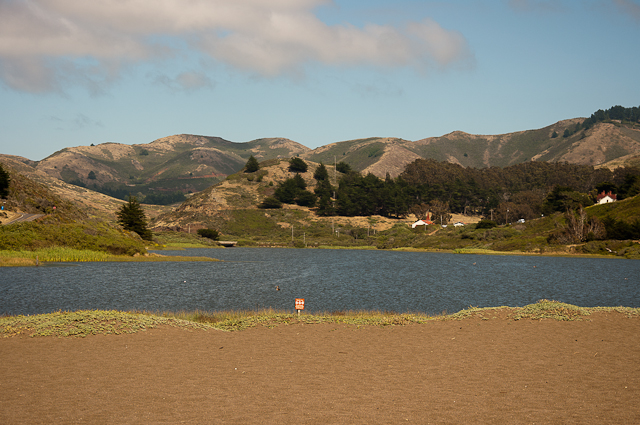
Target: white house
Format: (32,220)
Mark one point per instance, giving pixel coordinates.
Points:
(605,198)
(458,224)
(420,223)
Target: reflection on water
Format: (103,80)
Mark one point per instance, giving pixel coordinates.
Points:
(329,280)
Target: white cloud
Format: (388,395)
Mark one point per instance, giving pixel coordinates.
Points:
(42,41)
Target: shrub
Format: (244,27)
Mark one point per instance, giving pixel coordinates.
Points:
(270,203)
(297,165)
(486,224)
(209,233)
(343,167)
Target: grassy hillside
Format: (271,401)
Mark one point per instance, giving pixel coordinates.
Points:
(182,163)
(67,225)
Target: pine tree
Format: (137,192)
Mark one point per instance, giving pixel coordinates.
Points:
(4,182)
(131,217)
(321,173)
(297,165)
(252,165)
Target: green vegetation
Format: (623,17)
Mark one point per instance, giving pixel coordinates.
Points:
(165,198)
(297,165)
(4,182)
(343,167)
(91,235)
(212,234)
(131,217)
(252,165)
(98,322)
(66,255)
(270,202)
(293,190)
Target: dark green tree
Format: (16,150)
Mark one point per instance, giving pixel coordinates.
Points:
(269,203)
(92,175)
(252,165)
(4,182)
(306,199)
(131,217)
(321,173)
(297,165)
(343,167)
(212,234)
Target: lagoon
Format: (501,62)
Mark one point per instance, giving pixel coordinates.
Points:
(329,280)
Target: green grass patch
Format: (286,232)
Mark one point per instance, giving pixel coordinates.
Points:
(98,322)
(64,255)
(87,322)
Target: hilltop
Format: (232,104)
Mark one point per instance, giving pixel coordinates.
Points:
(182,163)
(606,144)
(168,168)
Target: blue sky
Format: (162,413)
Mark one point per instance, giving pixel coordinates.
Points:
(74,72)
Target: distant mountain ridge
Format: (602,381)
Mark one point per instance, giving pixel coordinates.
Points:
(603,143)
(190,163)
(184,163)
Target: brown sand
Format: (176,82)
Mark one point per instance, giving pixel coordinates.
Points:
(470,371)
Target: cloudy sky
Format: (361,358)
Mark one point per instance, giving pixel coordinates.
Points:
(77,72)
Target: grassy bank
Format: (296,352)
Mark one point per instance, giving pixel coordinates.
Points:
(300,229)
(63,255)
(94,322)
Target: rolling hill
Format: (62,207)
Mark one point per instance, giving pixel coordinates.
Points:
(182,163)
(604,144)
(189,163)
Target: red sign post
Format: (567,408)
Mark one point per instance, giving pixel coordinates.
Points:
(299,304)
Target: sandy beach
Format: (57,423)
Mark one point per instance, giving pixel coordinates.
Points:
(491,370)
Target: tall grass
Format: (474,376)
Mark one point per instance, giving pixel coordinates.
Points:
(58,254)
(62,254)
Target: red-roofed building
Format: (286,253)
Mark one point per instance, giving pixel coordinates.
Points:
(605,198)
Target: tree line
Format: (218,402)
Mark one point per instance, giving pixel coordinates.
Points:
(615,113)
(428,187)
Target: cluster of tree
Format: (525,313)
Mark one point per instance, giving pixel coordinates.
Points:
(370,195)
(294,191)
(621,230)
(428,188)
(524,190)
(579,227)
(618,113)
(4,182)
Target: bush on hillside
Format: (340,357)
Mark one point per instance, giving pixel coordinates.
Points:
(209,233)
(297,165)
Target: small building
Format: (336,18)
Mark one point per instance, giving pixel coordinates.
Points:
(458,224)
(605,198)
(421,223)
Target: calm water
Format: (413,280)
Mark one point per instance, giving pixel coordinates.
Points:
(329,280)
